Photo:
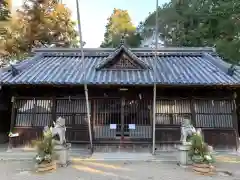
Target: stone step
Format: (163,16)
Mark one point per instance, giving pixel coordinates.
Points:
(122,156)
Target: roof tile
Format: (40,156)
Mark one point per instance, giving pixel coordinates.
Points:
(171,68)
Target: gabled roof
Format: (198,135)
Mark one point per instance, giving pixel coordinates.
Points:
(173,66)
(227,67)
(118,51)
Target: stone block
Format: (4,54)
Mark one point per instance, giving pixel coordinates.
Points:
(183,154)
(63,154)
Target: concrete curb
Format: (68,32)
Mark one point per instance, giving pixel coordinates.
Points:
(15,159)
(88,159)
(145,160)
(75,159)
(153,160)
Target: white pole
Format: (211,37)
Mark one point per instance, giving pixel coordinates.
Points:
(85,85)
(154,78)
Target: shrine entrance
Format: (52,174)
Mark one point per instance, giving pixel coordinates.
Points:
(122,123)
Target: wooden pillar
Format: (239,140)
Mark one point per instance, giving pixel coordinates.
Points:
(54,109)
(13,117)
(235,119)
(34,112)
(234,114)
(122,117)
(154,118)
(193,111)
(151,114)
(13,114)
(94,110)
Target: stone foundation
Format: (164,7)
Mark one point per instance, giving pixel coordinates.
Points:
(183,154)
(63,154)
(122,148)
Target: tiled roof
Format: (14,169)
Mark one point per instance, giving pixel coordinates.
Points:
(116,52)
(226,67)
(237,74)
(173,66)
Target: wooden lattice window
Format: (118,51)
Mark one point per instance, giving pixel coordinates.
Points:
(214,113)
(33,112)
(172,112)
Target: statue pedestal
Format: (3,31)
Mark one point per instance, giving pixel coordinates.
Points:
(63,154)
(183,154)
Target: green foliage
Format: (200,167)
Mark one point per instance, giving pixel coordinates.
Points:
(4,10)
(119,23)
(199,152)
(45,148)
(39,23)
(213,23)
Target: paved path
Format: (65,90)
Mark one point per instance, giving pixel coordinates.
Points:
(111,170)
(86,170)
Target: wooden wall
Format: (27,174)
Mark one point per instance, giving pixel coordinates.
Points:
(210,109)
(214,111)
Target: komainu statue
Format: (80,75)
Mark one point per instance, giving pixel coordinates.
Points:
(62,147)
(59,131)
(187,130)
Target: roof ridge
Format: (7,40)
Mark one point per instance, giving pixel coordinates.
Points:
(105,54)
(160,49)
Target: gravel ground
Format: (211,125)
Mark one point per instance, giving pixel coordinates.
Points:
(101,170)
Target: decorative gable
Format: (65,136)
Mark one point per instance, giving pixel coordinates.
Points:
(122,58)
(123,61)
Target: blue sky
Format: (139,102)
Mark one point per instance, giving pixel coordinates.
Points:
(94,14)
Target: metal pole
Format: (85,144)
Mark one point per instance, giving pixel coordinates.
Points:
(154,78)
(88,116)
(85,85)
(79,29)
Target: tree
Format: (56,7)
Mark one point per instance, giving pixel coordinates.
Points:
(214,23)
(4,10)
(119,24)
(40,23)
(13,41)
(4,22)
